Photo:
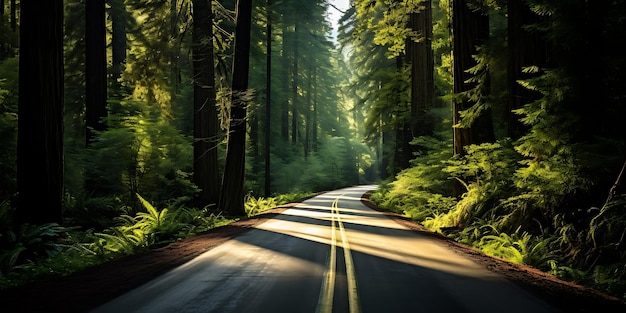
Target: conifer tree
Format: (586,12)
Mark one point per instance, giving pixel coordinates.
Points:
(232,193)
(40,126)
(95,72)
(268,99)
(206,124)
(470,31)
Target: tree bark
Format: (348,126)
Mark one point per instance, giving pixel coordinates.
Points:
(40,125)
(307,111)
(470,30)
(95,69)
(206,122)
(231,197)
(118,39)
(314,126)
(422,71)
(284,107)
(294,88)
(14,15)
(268,100)
(526,48)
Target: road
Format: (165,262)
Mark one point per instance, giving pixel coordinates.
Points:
(328,254)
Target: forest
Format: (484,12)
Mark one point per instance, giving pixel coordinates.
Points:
(127,124)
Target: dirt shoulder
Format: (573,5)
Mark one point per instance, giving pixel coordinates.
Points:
(84,290)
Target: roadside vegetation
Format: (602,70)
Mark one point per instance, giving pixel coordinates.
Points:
(35,252)
(527,215)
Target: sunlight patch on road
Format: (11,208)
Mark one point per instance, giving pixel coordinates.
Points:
(307,231)
(393,241)
(326,197)
(353,216)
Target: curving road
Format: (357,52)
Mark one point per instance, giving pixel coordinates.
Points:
(329,254)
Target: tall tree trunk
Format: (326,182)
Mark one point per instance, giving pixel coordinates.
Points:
(231,197)
(402,128)
(284,107)
(422,71)
(307,112)
(294,88)
(206,123)
(268,100)
(386,141)
(118,40)
(253,142)
(470,30)
(314,126)
(174,50)
(40,124)
(14,15)
(526,48)
(95,68)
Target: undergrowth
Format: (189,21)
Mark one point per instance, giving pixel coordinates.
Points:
(522,210)
(35,252)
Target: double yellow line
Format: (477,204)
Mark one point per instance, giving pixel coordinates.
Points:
(325,304)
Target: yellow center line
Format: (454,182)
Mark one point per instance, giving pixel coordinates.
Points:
(325,304)
(353,296)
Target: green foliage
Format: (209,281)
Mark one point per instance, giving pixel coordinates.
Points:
(331,167)
(140,153)
(389,22)
(486,171)
(29,243)
(139,232)
(199,220)
(292,197)
(73,257)
(565,272)
(548,116)
(608,225)
(508,247)
(420,191)
(610,277)
(255,206)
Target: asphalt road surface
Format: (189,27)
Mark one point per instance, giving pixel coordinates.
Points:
(329,254)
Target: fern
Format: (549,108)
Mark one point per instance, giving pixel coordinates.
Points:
(565,272)
(255,206)
(504,246)
(30,243)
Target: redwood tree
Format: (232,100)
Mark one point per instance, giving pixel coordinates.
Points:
(118,38)
(268,100)
(40,125)
(95,68)
(232,193)
(420,56)
(206,127)
(526,48)
(470,30)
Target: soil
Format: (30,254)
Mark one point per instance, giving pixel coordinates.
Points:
(85,290)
